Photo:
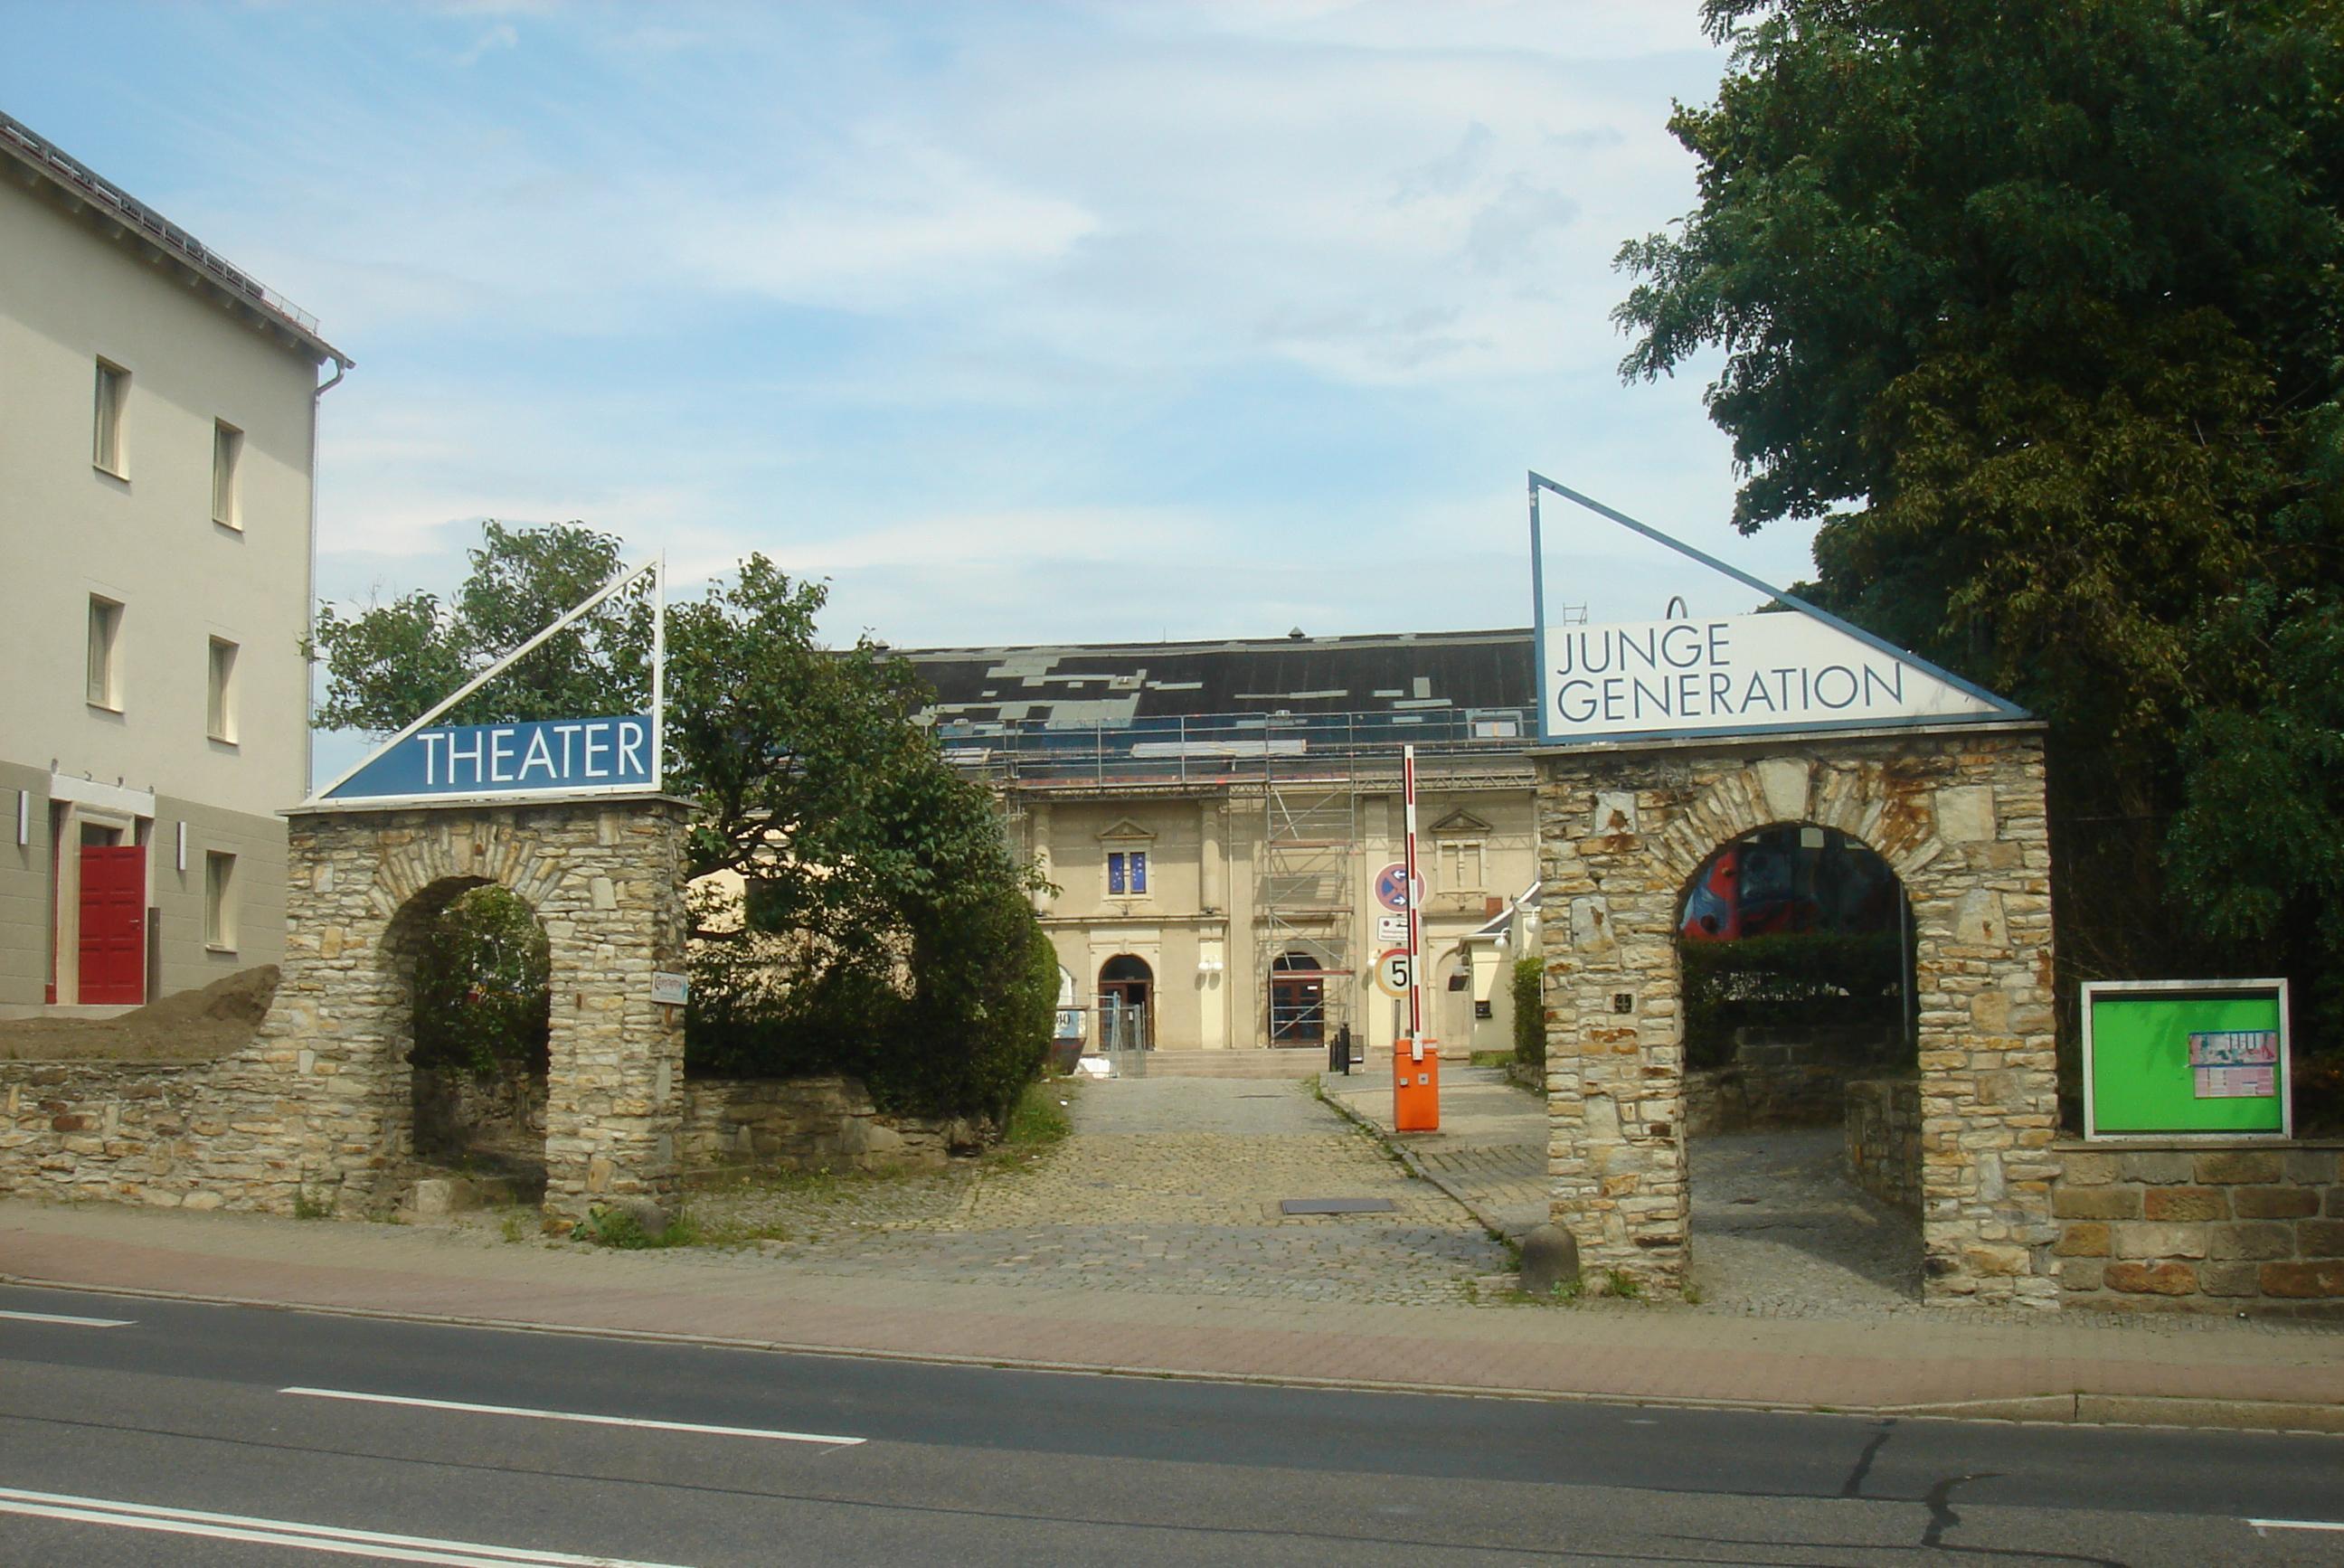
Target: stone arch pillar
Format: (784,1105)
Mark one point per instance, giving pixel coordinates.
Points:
(605,878)
(1958,812)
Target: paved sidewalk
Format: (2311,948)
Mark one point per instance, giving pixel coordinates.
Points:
(1175,1259)
(1490,1154)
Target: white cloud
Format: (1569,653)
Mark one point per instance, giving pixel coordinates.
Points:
(504,35)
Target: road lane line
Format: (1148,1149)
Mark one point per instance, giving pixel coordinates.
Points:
(296,1535)
(2295,1525)
(70,1321)
(824,1439)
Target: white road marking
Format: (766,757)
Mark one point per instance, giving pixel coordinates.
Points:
(2294,1524)
(298,1536)
(814,1437)
(69,1320)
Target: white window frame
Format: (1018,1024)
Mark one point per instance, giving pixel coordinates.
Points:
(219,901)
(219,690)
(1452,865)
(227,466)
(109,438)
(104,661)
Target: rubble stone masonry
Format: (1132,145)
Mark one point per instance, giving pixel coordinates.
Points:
(1958,812)
(319,1108)
(2199,1226)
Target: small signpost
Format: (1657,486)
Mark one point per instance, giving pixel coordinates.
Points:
(1416,1072)
(1393,972)
(1394,883)
(2186,1058)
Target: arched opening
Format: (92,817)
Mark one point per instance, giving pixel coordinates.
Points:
(1126,997)
(475,966)
(1297,999)
(1796,957)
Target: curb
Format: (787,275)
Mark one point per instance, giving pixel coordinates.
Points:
(1415,1167)
(2079,1409)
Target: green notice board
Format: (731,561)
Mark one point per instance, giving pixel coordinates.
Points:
(2163,1059)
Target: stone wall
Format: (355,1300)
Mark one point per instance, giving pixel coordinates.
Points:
(809,1123)
(1958,814)
(319,1107)
(198,1135)
(1884,1140)
(2197,1227)
(457,1111)
(1782,1078)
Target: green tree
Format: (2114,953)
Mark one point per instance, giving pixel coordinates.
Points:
(870,865)
(481,1001)
(2038,307)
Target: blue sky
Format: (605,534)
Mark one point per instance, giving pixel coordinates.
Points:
(1019,322)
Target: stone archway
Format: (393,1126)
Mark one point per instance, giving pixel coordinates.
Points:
(606,881)
(1958,814)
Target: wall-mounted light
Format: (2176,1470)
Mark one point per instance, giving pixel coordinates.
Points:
(183,847)
(24,817)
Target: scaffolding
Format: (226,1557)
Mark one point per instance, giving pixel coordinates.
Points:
(1305,900)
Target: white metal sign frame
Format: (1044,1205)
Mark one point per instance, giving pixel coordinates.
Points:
(1993,708)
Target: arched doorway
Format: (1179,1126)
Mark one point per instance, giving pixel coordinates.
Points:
(476,964)
(1297,999)
(1127,995)
(1795,960)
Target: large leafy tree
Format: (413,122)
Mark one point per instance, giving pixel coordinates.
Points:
(861,852)
(2038,308)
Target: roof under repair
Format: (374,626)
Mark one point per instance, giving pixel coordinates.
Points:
(1118,684)
(1137,711)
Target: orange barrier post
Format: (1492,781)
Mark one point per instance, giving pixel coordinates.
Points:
(1416,1087)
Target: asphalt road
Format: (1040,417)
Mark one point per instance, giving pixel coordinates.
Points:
(187,1434)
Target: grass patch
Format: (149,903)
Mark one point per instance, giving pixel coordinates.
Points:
(1491,1058)
(307,1207)
(1622,1284)
(617,1228)
(1041,1119)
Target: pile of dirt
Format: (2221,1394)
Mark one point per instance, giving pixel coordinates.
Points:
(190,1026)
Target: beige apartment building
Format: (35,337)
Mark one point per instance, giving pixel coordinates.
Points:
(1216,817)
(157,451)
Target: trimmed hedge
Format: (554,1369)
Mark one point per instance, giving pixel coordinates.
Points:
(1815,979)
(1529,1011)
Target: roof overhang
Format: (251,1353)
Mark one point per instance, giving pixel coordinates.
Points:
(86,194)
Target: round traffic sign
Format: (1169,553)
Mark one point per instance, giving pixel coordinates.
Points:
(1392,972)
(1391,887)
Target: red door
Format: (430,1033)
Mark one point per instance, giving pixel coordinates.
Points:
(113,923)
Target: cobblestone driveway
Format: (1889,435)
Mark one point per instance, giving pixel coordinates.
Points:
(1166,1184)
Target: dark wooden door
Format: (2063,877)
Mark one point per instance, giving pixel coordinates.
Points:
(113,924)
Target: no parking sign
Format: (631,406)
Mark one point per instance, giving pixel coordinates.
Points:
(1393,887)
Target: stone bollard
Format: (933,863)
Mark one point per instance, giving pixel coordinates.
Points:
(1550,1258)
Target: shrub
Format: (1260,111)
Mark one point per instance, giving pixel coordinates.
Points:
(481,1002)
(1529,1011)
(1816,979)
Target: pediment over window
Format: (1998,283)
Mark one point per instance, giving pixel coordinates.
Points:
(1461,824)
(1126,829)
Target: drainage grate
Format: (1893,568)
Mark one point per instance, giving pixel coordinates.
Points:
(1337,1206)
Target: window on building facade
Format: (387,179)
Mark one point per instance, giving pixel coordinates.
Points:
(219,700)
(104,654)
(1127,873)
(107,448)
(1461,865)
(227,456)
(219,901)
